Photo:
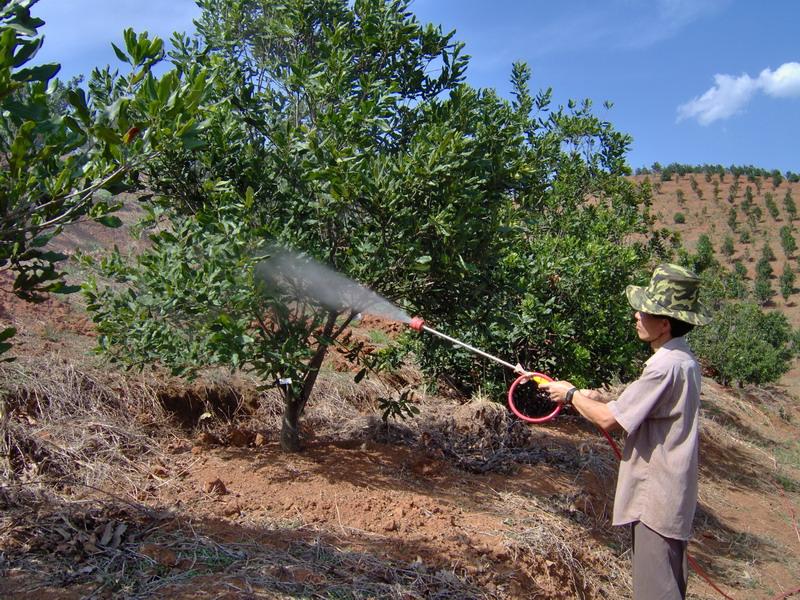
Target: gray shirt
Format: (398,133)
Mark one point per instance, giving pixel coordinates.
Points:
(657,481)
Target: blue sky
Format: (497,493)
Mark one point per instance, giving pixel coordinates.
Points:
(693,81)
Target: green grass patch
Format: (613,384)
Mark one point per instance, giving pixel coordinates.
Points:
(376,336)
(787,483)
(789,455)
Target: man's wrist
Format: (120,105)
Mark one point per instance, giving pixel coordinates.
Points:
(568,397)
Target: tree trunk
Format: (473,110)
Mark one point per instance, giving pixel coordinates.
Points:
(294,406)
(290,425)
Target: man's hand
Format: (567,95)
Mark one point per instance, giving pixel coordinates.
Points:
(590,403)
(557,390)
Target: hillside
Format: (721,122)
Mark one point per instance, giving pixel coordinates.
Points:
(705,203)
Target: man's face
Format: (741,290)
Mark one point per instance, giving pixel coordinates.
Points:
(650,327)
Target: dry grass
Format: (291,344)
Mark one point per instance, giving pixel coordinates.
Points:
(78,448)
(546,532)
(62,424)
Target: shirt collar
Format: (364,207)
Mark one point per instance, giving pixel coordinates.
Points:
(676,343)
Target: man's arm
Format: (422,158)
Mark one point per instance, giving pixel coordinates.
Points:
(589,403)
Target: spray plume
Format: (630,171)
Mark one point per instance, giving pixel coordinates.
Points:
(306,278)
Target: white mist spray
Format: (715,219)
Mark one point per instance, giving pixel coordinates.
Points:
(304,277)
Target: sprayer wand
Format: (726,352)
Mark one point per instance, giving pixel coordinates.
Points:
(418,324)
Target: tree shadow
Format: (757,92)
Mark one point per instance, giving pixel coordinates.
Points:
(57,551)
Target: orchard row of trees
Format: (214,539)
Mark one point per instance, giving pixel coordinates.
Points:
(344,131)
(762,289)
(668,172)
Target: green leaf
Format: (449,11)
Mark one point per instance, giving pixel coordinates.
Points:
(7,333)
(109,221)
(52,257)
(120,54)
(73,125)
(40,73)
(77,98)
(131,44)
(42,239)
(62,288)
(360,375)
(107,134)
(27,51)
(423,263)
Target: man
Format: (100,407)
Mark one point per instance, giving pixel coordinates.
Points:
(657,482)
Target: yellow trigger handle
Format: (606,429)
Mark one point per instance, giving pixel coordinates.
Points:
(539,380)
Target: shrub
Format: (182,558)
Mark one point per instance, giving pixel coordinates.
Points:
(704,254)
(735,286)
(769,199)
(64,157)
(732,218)
(718,285)
(787,281)
(679,218)
(744,344)
(762,289)
(747,203)
(788,242)
(764,268)
(790,206)
(321,139)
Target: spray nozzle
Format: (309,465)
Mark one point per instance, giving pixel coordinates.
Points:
(417,323)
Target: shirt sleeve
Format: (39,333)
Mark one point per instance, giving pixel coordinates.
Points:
(639,399)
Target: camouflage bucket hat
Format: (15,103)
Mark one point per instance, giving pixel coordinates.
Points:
(673,292)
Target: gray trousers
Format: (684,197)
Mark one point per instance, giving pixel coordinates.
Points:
(660,565)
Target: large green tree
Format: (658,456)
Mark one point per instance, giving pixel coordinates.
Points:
(344,130)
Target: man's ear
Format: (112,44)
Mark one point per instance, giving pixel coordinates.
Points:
(668,325)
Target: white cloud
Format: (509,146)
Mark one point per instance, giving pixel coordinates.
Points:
(783,82)
(730,95)
(666,18)
(588,25)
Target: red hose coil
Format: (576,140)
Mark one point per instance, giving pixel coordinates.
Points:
(521,379)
